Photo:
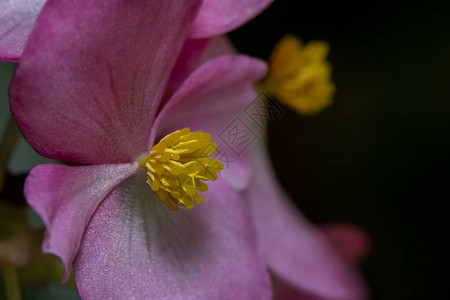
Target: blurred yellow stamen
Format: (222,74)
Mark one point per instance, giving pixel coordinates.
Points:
(178,164)
(299,76)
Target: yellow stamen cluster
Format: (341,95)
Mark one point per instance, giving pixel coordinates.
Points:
(299,76)
(178,164)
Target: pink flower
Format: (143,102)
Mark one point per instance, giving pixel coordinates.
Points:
(215,17)
(306,262)
(350,242)
(122,245)
(95,87)
(294,250)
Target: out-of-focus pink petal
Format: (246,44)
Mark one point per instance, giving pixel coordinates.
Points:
(66,197)
(219,90)
(17,19)
(221,16)
(293,248)
(136,248)
(284,291)
(93,73)
(350,241)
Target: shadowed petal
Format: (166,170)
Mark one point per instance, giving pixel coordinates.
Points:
(187,61)
(221,16)
(219,90)
(216,47)
(91,77)
(66,197)
(194,53)
(351,242)
(293,248)
(285,291)
(136,248)
(17,19)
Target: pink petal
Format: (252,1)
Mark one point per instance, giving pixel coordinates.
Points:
(66,197)
(219,90)
(93,73)
(221,16)
(293,248)
(136,248)
(284,291)
(216,47)
(17,19)
(350,241)
(187,61)
(194,53)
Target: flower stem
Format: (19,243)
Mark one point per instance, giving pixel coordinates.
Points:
(11,282)
(9,139)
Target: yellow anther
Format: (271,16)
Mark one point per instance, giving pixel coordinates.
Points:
(300,76)
(178,163)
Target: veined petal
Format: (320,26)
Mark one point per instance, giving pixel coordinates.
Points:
(293,248)
(66,197)
(136,248)
(17,19)
(221,16)
(93,73)
(219,90)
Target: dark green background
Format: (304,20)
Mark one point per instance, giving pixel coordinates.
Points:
(379,156)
